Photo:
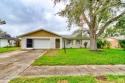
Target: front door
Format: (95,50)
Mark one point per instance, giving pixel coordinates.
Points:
(57,43)
(29,43)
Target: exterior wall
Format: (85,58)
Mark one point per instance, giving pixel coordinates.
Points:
(52,41)
(114,43)
(75,45)
(4,43)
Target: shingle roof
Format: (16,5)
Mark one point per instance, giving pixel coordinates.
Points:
(119,37)
(74,37)
(6,36)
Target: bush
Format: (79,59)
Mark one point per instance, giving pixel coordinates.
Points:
(122,43)
(107,44)
(85,44)
(102,44)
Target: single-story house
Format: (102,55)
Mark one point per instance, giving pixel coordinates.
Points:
(114,41)
(43,39)
(7,40)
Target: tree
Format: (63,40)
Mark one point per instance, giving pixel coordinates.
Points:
(120,26)
(97,14)
(110,32)
(80,33)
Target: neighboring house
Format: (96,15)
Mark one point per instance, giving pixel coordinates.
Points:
(7,40)
(114,41)
(43,39)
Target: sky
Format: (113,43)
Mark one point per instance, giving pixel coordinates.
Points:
(24,16)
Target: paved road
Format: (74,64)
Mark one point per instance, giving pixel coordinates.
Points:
(96,70)
(11,66)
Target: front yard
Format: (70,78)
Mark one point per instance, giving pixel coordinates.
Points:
(72,79)
(8,49)
(81,56)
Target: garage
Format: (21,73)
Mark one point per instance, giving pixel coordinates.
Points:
(41,43)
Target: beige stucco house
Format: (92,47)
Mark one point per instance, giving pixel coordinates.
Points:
(43,39)
(114,41)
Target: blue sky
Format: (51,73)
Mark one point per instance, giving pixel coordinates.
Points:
(23,16)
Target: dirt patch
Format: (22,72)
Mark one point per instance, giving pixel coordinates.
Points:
(51,53)
(97,50)
(101,78)
(62,81)
(101,81)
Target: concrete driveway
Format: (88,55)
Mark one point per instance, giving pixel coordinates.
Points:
(12,66)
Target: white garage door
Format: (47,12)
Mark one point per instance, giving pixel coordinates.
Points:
(41,43)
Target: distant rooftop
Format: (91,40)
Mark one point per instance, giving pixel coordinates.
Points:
(119,37)
(7,36)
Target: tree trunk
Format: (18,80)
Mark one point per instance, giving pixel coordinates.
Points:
(93,44)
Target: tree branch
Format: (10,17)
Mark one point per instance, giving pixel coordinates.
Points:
(109,22)
(86,20)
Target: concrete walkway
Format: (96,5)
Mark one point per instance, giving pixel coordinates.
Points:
(96,70)
(12,66)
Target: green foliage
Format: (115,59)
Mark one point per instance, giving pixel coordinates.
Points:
(56,79)
(8,49)
(85,44)
(70,79)
(102,44)
(116,78)
(81,56)
(79,32)
(110,32)
(122,43)
(120,26)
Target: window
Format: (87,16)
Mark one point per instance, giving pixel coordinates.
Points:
(77,42)
(69,42)
(29,43)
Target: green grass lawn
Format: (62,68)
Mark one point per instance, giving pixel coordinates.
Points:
(72,79)
(81,56)
(8,49)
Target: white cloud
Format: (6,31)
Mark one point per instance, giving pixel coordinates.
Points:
(27,15)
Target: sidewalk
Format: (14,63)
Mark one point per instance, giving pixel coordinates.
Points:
(96,70)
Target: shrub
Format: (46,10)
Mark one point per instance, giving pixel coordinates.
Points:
(107,44)
(122,43)
(102,44)
(85,44)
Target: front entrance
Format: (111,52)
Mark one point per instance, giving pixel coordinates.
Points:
(57,43)
(29,43)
